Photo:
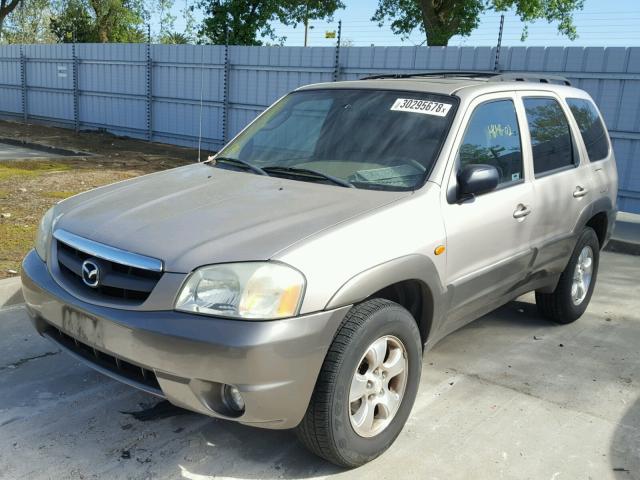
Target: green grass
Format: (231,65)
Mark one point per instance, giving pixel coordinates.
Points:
(60,194)
(29,169)
(16,241)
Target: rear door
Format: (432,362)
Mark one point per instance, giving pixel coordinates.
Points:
(488,236)
(596,144)
(562,179)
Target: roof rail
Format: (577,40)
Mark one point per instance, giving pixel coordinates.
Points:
(434,73)
(488,75)
(530,77)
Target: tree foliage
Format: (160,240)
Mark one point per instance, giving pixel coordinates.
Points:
(442,19)
(6,7)
(166,19)
(29,23)
(247,21)
(175,38)
(74,23)
(118,20)
(99,21)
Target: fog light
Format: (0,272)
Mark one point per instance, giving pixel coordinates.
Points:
(233,399)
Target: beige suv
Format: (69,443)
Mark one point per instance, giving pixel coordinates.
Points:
(296,279)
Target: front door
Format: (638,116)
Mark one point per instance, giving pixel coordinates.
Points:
(488,236)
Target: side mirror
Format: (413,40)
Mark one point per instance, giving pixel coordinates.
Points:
(477,178)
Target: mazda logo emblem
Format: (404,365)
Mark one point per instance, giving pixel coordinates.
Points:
(90,273)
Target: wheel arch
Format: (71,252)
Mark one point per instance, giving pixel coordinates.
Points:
(601,217)
(399,280)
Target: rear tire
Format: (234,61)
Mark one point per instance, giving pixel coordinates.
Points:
(571,297)
(334,426)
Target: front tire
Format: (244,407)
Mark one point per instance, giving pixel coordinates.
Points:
(367,385)
(571,297)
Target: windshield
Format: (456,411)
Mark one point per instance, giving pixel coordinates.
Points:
(368,138)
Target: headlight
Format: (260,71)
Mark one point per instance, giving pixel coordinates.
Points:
(251,290)
(44,233)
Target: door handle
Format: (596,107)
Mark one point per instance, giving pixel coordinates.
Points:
(580,192)
(521,211)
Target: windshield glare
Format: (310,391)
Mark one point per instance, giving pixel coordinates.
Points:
(370,138)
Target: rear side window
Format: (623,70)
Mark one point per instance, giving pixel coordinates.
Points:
(591,127)
(550,135)
(493,138)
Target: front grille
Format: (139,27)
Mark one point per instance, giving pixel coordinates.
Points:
(117,280)
(120,368)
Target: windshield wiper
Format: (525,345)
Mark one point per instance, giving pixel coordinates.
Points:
(238,163)
(309,173)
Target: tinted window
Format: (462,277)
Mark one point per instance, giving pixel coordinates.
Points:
(493,138)
(591,127)
(371,139)
(550,135)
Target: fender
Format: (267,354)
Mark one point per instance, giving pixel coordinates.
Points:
(409,267)
(600,205)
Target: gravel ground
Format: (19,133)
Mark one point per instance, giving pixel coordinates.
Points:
(30,182)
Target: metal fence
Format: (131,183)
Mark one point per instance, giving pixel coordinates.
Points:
(172,93)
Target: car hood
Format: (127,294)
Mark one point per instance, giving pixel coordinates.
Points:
(198,214)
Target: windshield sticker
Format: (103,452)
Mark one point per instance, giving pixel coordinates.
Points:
(426,107)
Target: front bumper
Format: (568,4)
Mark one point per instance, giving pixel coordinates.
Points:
(274,364)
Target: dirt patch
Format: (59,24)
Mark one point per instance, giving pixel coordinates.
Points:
(29,187)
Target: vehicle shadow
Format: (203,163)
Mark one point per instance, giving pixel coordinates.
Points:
(258,453)
(624,454)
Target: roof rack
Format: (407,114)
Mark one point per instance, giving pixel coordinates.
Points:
(530,77)
(489,76)
(435,73)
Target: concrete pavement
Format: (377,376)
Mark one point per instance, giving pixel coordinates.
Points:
(509,396)
(11,149)
(626,234)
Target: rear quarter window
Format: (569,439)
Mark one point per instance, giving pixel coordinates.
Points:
(591,128)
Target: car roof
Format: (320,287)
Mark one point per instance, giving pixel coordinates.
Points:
(460,85)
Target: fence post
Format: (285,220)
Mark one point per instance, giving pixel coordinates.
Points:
(225,90)
(149,87)
(76,93)
(336,67)
(23,84)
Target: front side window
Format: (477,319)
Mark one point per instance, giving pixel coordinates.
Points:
(591,127)
(550,135)
(493,138)
(366,138)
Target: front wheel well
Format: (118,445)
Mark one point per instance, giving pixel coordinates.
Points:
(415,296)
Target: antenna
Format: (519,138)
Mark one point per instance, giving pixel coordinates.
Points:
(201,95)
(497,64)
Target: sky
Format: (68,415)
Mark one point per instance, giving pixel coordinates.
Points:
(600,23)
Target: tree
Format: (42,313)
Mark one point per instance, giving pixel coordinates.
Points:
(118,20)
(6,7)
(244,21)
(166,19)
(175,38)
(305,10)
(74,24)
(29,23)
(442,19)
(189,20)
(99,21)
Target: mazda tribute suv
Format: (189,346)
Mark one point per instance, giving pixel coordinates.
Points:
(297,277)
